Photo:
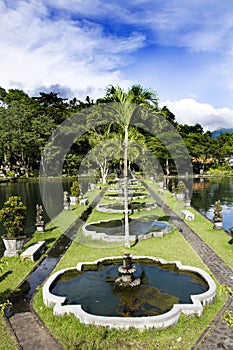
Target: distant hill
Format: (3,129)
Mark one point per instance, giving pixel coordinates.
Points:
(218,132)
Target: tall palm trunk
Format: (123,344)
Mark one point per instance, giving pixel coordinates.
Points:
(126,204)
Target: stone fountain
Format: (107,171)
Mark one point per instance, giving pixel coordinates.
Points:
(127,270)
(95,294)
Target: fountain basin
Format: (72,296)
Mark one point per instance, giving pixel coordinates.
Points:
(119,207)
(113,230)
(131,196)
(131,189)
(171,317)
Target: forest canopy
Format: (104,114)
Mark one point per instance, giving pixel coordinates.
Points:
(27,123)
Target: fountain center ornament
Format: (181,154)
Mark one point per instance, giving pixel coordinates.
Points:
(127,271)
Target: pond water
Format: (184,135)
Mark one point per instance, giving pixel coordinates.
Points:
(29,191)
(139,227)
(206,191)
(161,287)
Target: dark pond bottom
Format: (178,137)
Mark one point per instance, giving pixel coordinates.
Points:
(161,288)
(132,206)
(139,226)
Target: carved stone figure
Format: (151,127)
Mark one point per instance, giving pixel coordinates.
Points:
(66,202)
(40,225)
(217,215)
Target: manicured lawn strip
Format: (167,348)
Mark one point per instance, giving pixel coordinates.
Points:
(7,342)
(74,335)
(98,215)
(16,271)
(215,239)
(171,247)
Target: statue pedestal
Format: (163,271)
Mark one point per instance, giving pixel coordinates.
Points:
(217,225)
(40,228)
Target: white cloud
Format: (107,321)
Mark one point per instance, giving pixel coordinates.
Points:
(189,111)
(84,46)
(198,25)
(37,50)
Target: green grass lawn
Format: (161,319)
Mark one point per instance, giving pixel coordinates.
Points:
(74,335)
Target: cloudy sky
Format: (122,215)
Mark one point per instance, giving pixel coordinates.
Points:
(183,49)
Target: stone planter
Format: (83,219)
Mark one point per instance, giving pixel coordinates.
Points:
(40,227)
(66,206)
(13,245)
(218,225)
(180,197)
(73,200)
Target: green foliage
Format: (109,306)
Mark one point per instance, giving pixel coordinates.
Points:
(2,262)
(75,189)
(181,188)
(223,169)
(27,123)
(12,216)
(10,173)
(227,289)
(6,303)
(228,316)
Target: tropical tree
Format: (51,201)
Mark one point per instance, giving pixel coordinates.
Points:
(123,108)
(225,145)
(16,134)
(101,155)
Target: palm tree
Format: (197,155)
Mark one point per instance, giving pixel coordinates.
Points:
(123,111)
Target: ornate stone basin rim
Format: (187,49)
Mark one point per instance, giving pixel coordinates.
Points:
(160,321)
(106,207)
(121,238)
(131,196)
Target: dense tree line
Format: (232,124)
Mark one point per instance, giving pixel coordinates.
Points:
(27,123)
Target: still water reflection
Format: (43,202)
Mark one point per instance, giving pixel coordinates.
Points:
(206,191)
(31,195)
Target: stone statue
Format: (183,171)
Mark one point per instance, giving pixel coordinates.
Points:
(40,225)
(187,198)
(217,215)
(66,203)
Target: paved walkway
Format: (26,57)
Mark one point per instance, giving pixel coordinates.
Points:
(218,335)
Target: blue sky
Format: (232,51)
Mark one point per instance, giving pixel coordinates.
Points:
(182,49)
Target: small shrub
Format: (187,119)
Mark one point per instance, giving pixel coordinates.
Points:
(75,189)
(12,216)
(181,188)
